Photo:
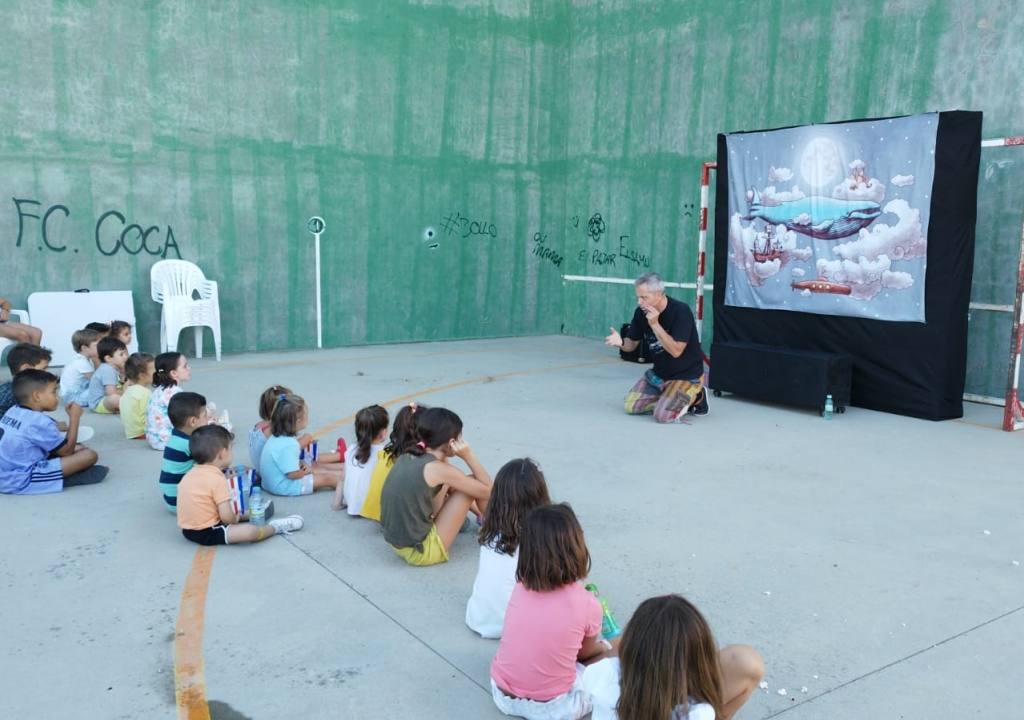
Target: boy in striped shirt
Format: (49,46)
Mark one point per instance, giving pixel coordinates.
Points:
(187,411)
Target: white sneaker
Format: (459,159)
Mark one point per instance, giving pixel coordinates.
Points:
(286,525)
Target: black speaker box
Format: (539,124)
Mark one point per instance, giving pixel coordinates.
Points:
(781,375)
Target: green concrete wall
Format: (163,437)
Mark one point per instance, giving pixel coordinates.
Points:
(225,125)
(503,125)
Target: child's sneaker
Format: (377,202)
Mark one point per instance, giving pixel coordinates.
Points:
(286,525)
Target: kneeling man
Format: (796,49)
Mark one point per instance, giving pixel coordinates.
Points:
(675,385)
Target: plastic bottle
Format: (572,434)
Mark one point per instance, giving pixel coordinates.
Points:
(829,407)
(256,507)
(609,627)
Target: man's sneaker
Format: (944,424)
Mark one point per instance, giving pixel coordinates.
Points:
(286,525)
(700,407)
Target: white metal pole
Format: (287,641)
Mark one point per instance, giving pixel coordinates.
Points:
(319,312)
(316,225)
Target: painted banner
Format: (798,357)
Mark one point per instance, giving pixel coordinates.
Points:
(832,219)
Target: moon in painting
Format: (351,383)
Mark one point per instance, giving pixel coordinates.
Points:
(820,164)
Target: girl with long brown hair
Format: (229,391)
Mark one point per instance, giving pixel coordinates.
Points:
(519,487)
(670,668)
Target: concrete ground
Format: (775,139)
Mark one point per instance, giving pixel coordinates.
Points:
(873,559)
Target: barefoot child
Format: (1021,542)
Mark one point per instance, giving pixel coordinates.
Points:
(360,460)
(282,471)
(35,456)
(107,382)
(171,370)
(135,399)
(669,666)
(425,500)
(519,487)
(205,513)
(552,623)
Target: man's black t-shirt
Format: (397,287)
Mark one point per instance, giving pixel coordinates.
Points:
(677,321)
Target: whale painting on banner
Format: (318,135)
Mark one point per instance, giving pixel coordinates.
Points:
(832,219)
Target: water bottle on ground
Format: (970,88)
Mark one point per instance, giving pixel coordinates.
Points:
(829,408)
(256,507)
(609,627)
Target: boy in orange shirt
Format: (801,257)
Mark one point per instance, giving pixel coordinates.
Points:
(205,513)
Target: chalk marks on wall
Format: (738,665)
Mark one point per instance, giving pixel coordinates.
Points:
(596,227)
(461,226)
(112,232)
(541,250)
(624,254)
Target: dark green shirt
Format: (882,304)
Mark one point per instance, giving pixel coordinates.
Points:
(407,502)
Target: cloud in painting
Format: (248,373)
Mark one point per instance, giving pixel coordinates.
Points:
(771,196)
(902,180)
(779,174)
(866,278)
(858,186)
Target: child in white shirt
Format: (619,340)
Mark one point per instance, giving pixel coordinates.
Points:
(74,379)
(519,487)
(371,433)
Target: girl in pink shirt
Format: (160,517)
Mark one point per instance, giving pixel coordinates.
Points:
(552,623)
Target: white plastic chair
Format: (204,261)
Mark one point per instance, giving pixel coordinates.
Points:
(19,316)
(175,284)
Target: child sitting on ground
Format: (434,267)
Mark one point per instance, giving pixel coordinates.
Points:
(35,456)
(107,382)
(122,331)
(74,379)
(552,623)
(282,471)
(403,432)
(669,666)
(205,513)
(171,369)
(371,432)
(261,431)
(188,413)
(135,399)
(518,488)
(22,356)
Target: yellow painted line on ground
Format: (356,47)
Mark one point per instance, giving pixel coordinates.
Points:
(323,359)
(460,383)
(189,672)
(189,676)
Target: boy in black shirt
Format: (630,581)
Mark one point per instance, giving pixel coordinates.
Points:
(675,385)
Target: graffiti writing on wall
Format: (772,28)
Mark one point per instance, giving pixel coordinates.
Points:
(596,227)
(113,232)
(460,225)
(541,250)
(631,255)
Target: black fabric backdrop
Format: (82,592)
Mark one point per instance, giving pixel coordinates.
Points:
(901,367)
